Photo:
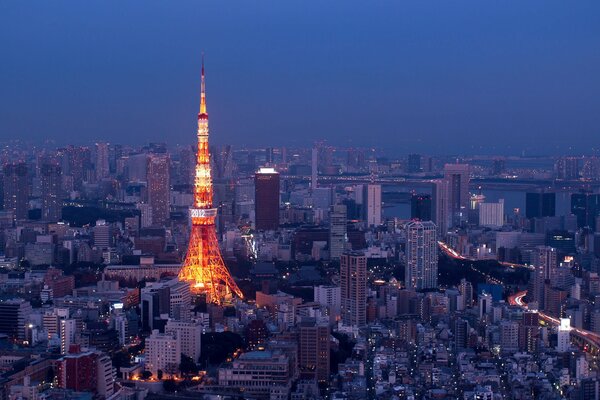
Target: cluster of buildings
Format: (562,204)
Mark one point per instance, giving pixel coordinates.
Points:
(339,255)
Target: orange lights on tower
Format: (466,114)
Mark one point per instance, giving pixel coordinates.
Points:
(203,266)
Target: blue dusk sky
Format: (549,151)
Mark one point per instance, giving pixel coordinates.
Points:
(436,77)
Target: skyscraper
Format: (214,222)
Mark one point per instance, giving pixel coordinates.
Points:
(266,199)
(421,255)
(372,204)
(314,168)
(440,206)
(313,357)
(586,207)
(102,164)
(203,267)
(457,176)
(420,207)
(353,292)
(16,189)
(544,260)
(491,214)
(414,163)
(337,231)
(159,188)
(51,185)
(540,204)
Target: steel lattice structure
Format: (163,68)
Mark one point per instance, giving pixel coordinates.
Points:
(203,266)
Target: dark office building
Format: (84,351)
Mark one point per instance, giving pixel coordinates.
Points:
(420,207)
(266,200)
(414,163)
(539,205)
(13,316)
(563,241)
(585,206)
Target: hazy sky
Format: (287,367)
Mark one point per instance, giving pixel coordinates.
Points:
(426,76)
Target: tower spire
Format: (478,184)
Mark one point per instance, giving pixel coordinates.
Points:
(202,91)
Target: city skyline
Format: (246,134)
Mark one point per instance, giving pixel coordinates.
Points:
(330,244)
(439,78)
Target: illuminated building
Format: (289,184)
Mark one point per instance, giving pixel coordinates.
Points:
(102,166)
(353,292)
(491,214)
(203,266)
(159,188)
(16,189)
(313,354)
(163,353)
(440,205)
(337,231)
(266,199)
(51,185)
(457,176)
(372,204)
(421,255)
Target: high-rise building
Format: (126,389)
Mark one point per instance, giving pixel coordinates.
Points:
(414,163)
(457,176)
(189,335)
(13,317)
(337,231)
(440,206)
(68,330)
(159,189)
(328,296)
(372,204)
(16,189)
(540,204)
(51,185)
(466,290)
(529,332)
(509,337)
(314,168)
(421,255)
(313,357)
(491,214)
(567,168)
(544,260)
(163,353)
(420,207)
(586,207)
(353,292)
(102,161)
(266,199)
(204,267)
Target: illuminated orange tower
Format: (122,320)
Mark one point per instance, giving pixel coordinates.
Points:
(204,267)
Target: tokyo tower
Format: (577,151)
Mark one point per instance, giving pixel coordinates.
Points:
(203,266)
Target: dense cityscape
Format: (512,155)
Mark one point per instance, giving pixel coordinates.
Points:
(396,200)
(303,273)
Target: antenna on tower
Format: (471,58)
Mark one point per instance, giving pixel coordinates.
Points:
(202,90)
